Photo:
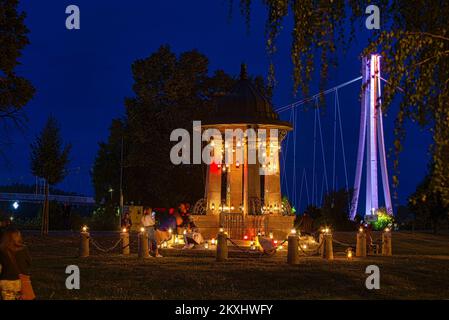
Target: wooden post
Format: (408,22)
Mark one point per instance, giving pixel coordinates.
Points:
(293,250)
(125,242)
(360,249)
(84,246)
(386,243)
(328,250)
(222,247)
(143,245)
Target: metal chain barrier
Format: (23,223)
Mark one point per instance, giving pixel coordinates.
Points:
(237,246)
(342,243)
(99,248)
(264,252)
(311,253)
(273,251)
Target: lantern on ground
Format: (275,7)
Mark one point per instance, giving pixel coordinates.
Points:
(349,253)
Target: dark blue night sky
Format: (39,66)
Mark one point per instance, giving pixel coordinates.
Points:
(82,78)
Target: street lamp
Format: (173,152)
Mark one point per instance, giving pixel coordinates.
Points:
(15,205)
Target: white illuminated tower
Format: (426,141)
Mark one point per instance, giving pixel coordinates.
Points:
(372,134)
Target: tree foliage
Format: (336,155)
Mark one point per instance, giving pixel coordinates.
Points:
(335,210)
(15,91)
(49,160)
(428,205)
(170,91)
(414,44)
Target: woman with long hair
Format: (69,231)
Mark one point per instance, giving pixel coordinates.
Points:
(15,264)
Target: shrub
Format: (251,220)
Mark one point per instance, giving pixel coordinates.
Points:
(383,220)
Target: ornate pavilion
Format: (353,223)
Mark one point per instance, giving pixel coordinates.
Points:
(237,196)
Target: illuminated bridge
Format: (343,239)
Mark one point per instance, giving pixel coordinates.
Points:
(37,198)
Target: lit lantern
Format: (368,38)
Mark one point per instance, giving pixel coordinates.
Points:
(142,229)
(387,229)
(206,245)
(184,232)
(221,230)
(245,237)
(271,235)
(212,241)
(124,230)
(349,254)
(170,231)
(213,206)
(84,228)
(360,229)
(293,231)
(253,246)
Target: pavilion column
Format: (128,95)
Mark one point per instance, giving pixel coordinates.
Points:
(253,175)
(213,189)
(236,187)
(245,179)
(272,188)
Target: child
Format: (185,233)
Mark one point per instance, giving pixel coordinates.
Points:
(15,260)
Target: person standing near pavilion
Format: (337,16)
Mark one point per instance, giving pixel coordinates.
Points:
(149,223)
(126,222)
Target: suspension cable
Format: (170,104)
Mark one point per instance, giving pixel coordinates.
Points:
(284,156)
(294,159)
(342,140)
(319,94)
(322,149)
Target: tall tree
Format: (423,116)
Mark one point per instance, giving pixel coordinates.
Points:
(15,91)
(49,160)
(414,43)
(427,205)
(170,92)
(335,209)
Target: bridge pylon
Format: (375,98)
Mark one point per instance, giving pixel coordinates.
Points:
(371,134)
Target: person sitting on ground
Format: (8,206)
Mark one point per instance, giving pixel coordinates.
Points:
(192,235)
(126,222)
(148,222)
(15,261)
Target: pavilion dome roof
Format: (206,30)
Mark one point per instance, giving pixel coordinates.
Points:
(245,104)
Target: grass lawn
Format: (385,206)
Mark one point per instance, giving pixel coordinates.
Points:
(419,269)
